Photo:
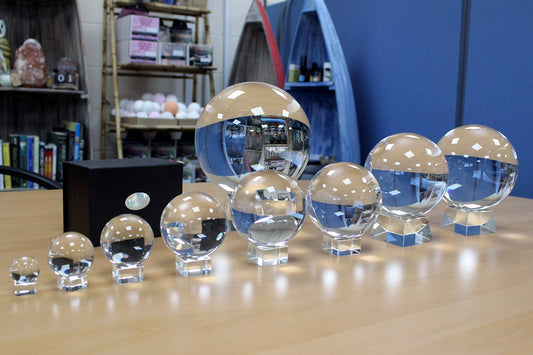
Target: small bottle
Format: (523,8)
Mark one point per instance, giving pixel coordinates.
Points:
(294,72)
(327,72)
(304,75)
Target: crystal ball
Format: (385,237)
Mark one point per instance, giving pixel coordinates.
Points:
(127,239)
(24,269)
(250,127)
(70,254)
(343,200)
(193,225)
(268,208)
(483,166)
(412,173)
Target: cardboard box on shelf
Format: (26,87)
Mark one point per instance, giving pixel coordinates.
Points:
(172,54)
(200,55)
(134,51)
(137,27)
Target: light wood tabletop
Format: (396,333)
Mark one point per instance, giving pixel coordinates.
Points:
(454,295)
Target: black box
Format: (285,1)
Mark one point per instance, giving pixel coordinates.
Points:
(94,191)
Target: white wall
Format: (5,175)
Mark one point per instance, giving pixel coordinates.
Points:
(91,13)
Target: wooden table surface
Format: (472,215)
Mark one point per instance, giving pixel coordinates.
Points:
(453,295)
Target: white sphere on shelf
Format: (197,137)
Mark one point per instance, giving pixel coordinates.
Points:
(147,96)
(123,103)
(167,115)
(182,107)
(171,97)
(193,114)
(154,114)
(182,115)
(194,107)
(156,106)
(129,105)
(147,106)
(142,115)
(159,98)
(138,105)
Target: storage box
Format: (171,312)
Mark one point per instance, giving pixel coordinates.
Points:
(200,55)
(200,4)
(94,191)
(137,27)
(134,51)
(172,54)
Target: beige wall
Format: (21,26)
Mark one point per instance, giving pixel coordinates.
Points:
(91,13)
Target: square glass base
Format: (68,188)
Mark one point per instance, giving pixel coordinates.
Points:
(72,283)
(468,223)
(127,274)
(193,267)
(268,255)
(24,288)
(402,232)
(341,247)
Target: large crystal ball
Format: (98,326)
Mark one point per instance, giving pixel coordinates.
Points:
(412,173)
(483,166)
(127,239)
(193,225)
(250,127)
(343,200)
(267,208)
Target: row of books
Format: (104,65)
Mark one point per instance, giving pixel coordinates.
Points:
(42,156)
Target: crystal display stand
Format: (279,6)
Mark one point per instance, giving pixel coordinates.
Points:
(127,274)
(402,232)
(24,288)
(468,223)
(24,272)
(193,267)
(341,247)
(72,283)
(268,255)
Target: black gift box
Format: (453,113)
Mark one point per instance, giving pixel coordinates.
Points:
(94,191)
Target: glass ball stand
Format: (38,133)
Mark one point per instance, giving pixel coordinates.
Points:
(193,266)
(268,255)
(483,169)
(402,232)
(341,246)
(24,272)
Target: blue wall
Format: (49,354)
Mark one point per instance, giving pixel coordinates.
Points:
(404,63)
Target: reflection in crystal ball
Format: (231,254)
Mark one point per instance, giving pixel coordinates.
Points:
(343,200)
(127,239)
(412,173)
(70,254)
(250,127)
(24,269)
(193,225)
(483,166)
(268,208)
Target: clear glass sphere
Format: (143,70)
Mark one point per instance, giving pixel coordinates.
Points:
(70,254)
(343,200)
(24,269)
(127,239)
(250,127)
(483,166)
(268,208)
(193,225)
(412,173)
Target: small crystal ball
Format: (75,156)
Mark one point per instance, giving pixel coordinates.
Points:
(127,239)
(24,269)
(268,208)
(193,225)
(412,173)
(483,166)
(250,127)
(70,254)
(343,200)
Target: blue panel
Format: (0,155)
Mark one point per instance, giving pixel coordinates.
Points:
(499,77)
(403,61)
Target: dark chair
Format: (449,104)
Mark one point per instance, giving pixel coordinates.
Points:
(30,176)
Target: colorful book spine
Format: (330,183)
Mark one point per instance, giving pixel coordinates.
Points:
(74,127)
(14,149)
(7,162)
(36,141)
(29,157)
(23,157)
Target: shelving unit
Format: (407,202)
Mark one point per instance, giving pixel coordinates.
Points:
(56,25)
(116,70)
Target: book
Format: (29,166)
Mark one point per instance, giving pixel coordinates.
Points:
(74,127)
(2,186)
(60,138)
(36,141)
(14,151)
(41,159)
(7,162)
(23,157)
(29,157)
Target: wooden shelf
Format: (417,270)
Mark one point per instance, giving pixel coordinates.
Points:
(310,85)
(40,91)
(164,8)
